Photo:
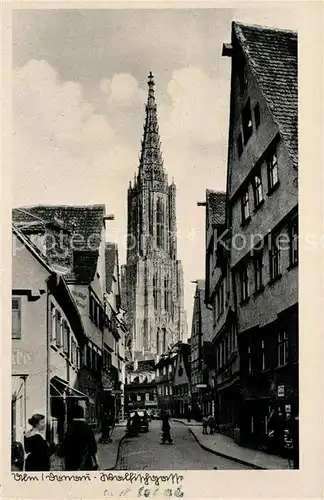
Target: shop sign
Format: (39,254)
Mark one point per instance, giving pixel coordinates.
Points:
(281,391)
(201,386)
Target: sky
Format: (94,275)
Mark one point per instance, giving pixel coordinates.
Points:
(79,93)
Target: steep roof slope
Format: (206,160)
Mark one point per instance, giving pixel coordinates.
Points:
(272,54)
(216,201)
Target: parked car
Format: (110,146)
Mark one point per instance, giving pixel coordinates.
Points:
(143,419)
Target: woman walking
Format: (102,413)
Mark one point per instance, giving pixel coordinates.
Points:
(166,436)
(38,458)
(79,447)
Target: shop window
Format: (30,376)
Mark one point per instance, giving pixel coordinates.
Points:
(245,204)
(273,179)
(16,318)
(247,122)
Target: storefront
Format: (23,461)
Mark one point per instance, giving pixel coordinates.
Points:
(63,400)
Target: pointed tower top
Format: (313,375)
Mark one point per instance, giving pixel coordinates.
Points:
(151,162)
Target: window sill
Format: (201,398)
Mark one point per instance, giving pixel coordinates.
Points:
(274,280)
(273,189)
(292,266)
(258,291)
(244,301)
(257,207)
(246,221)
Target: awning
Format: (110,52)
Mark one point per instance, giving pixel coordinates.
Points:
(63,389)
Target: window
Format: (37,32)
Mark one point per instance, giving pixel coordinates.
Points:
(247,122)
(258,266)
(274,255)
(16,318)
(159,223)
(282,348)
(239,144)
(53,323)
(244,282)
(58,327)
(66,338)
(263,360)
(245,206)
(258,191)
(294,242)
(273,171)
(256,112)
(155,287)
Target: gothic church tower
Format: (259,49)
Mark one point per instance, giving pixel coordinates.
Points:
(154,277)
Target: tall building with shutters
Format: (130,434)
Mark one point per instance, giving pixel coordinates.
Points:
(153,274)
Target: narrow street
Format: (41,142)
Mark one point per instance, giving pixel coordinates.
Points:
(146,452)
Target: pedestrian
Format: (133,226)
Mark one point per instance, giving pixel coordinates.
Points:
(136,424)
(211,423)
(205,425)
(166,436)
(38,458)
(79,447)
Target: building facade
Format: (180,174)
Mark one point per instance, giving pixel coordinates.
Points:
(72,239)
(263,217)
(181,383)
(154,276)
(47,341)
(140,386)
(200,342)
(223,354)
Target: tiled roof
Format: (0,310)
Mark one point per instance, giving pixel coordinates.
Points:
(83,223)
(110,260)
(216,201)
(272,54)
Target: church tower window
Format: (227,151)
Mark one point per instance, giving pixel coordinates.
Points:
(155,290)
(159,222)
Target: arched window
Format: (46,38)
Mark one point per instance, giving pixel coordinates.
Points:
(159,223)
(166,293)
(155,289)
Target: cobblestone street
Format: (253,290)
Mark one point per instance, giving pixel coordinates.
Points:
(146,452)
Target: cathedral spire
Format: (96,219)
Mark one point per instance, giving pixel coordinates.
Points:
(151,162)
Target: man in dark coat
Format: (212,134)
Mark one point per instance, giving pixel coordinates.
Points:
(79,447)
(166,436)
